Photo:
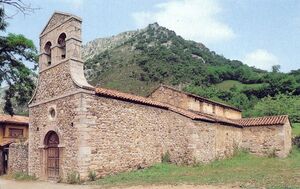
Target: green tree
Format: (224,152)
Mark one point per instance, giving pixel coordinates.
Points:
(281,104)
(275,68)
(14,51)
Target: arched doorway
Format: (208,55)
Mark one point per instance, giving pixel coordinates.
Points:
(52,155)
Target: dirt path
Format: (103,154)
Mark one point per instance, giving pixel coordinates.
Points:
(11,184)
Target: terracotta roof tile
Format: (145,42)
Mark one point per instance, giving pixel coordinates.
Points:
(4,118)
(130,97)
(218,119)
(147,101)
(190,114)
(260,121)
(263,121)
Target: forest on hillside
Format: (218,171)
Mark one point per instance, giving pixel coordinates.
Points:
(157,55)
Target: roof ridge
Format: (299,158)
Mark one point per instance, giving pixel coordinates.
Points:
(220,119)
(263,121)
(144,100)
(69,15)
(17,119)
(119,93)
(264,117)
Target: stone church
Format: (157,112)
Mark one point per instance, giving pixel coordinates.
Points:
(75,127)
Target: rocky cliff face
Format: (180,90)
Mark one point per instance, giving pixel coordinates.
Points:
(138,61)
(100,45)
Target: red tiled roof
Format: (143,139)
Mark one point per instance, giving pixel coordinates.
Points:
(130,97)
(263,121)
(6,143)
(190,114)
(260,121)
(218,119)
(4,118)
(147,101)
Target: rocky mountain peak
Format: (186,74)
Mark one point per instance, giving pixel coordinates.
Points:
(154,25)
(100,45)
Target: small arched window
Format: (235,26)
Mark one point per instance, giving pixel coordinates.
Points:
(62,44)
(47,50)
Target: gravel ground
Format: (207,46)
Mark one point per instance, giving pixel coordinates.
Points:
(11,184)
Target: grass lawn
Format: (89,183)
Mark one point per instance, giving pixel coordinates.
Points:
(296,129)
(244,169)
(228,84)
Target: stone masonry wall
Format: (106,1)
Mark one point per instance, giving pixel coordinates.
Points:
(18,158)
(169,96)
(287,138)
(126,136)
(203,142)
(182,100)
(228,139)
(64,125)
(267,140)
(111,136)
(54,82)
(122,136)
(213,141)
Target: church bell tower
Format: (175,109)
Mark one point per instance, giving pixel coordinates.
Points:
(60,63)
(57,108)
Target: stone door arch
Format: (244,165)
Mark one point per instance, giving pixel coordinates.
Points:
(52,155)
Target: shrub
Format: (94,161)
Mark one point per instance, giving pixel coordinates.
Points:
(240,151)
(73,178)
(272,153)
(60,179)
(92,175)
(23,176)
(166,157)
(296,141)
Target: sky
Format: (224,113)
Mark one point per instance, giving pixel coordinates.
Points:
(261,33)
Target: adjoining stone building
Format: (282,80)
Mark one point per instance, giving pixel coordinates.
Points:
(12,129)
(188,101)
(75,127)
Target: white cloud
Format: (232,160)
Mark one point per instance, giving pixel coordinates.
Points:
(261,58)
(192,19)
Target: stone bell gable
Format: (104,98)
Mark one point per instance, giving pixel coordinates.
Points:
(60,63)
(57,18)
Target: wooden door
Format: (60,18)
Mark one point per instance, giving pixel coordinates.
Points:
(52,142)
(53,163)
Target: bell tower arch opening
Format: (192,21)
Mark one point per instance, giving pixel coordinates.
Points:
(61,41)
(60,63)
(47,50)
